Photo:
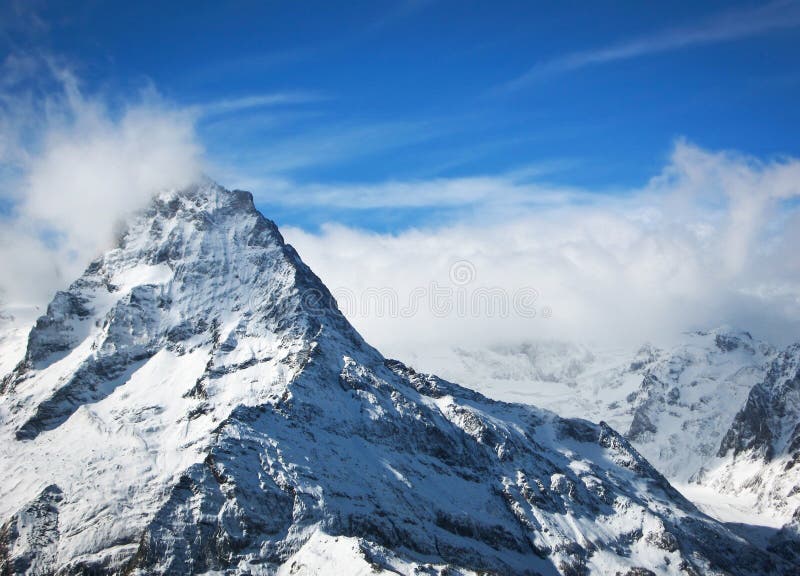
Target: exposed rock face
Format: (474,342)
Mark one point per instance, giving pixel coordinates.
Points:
(760,453)
(688,397)
(769,423)
(195,403)
(29,539)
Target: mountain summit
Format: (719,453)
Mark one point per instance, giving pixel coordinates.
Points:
(195,403)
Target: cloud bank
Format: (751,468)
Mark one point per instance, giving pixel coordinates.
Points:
(711,240)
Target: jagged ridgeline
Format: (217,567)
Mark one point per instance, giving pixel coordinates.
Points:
(195,403)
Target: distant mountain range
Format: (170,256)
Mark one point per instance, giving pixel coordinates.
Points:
(718,413)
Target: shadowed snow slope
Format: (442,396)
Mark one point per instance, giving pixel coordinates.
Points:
(193,404)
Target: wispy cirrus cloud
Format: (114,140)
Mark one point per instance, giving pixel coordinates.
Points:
(496,191)
(724,27)
(253,102)
(271,153)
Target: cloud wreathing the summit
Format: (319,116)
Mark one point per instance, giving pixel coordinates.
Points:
(72,165)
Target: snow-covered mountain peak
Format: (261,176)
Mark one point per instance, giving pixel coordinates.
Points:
(194,403)
(728,339)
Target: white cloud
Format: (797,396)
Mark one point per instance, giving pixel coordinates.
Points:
(72,167)
(709,241)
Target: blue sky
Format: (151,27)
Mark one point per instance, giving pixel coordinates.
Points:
(592,95)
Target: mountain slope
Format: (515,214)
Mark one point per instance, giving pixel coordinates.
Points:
(195,403)
(664,400)
(719,413)
(760,453)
